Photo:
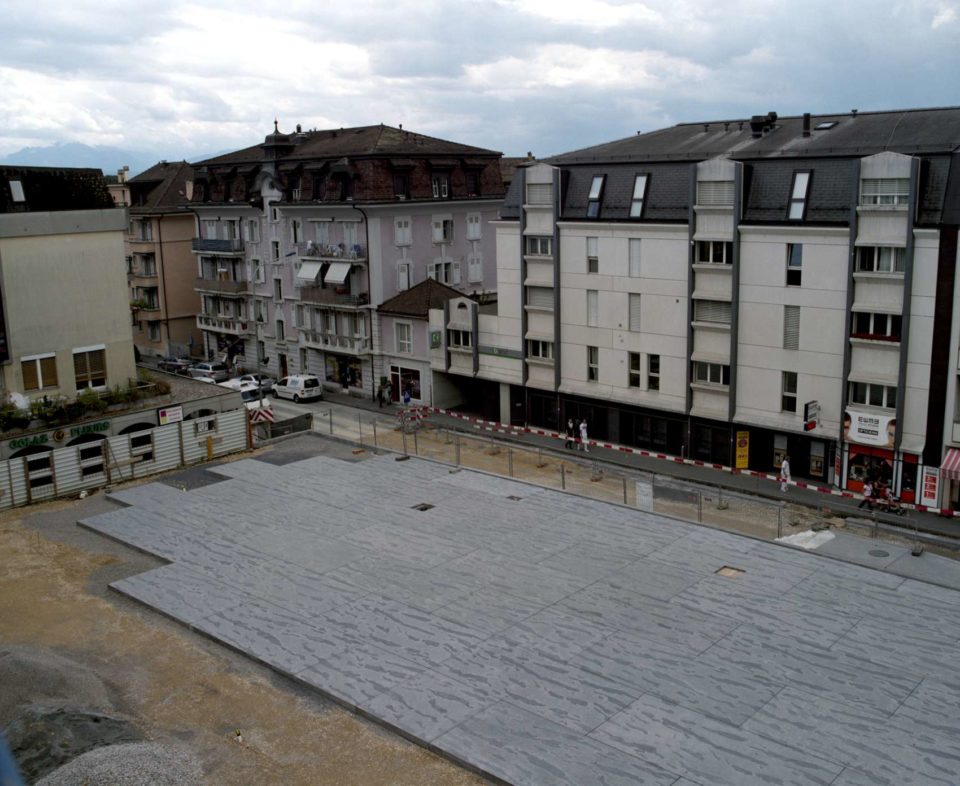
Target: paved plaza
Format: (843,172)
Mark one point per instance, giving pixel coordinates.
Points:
(543,638)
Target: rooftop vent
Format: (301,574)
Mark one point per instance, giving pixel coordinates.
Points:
(757,122)
(806,124)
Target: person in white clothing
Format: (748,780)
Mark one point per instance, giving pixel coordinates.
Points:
(785,473)
(583,435)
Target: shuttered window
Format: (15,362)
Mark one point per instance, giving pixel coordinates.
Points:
(711,311)
(635,257)
(539,193)
(540,297)
(634,312)
(885,191)
(715,192)
(39,372)
(791,327)
(90,369)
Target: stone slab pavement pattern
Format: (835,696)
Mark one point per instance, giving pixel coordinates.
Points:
(542,638)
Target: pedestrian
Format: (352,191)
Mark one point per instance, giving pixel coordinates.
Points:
(406,395)
(583,436)
(571,435)
(388,393)
(867,496)
(380,395)
(785,473)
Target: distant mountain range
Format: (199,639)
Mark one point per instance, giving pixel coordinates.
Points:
(108,159)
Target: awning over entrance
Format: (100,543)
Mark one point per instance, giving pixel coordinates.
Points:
(309,272)
(951,465)
(338,272)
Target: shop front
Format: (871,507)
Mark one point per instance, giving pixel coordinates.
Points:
(403,379)
(763,450)
(345,371)
(868,455)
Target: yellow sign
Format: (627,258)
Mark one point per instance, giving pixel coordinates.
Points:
(743,449)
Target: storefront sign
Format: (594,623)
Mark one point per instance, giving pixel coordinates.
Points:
(435,339)
(930,490)
(28,442)
(743,449)
(869,428)
(170,415)
(90,428)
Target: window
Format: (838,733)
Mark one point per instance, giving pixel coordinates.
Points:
(275,250)
(274,213)
(402,231)
(321,231)
(798,196)
(296,230)
(653,372)
(401,185)
(885,191)
(714,252)
(540,298)
(788,394)
(444,272)
(877,327)
(873,394)
(281,333)
(141,446)
(209,229)
(16,191)
(460,339)
(231,229)
(715,311)
(471,179)
(634,257)
(539,193)
(593,261)
(593,364)
(596,194)
(253,231)
(153,331)
(593,306)
(794,264)
(262,351)
(143,230)
(639,190)
(634,316)
(881,259)
(443,230)
(258,274)
(711,373)
(473,226)
(39,372)
(715,192)
(403,275)
(351,232)
(475,267)
(539,245)
(90,368)
(404,336)
(299,316)
(633,372)
(791,327)
(259,311)
(278,289)
(441,186)
(542,350)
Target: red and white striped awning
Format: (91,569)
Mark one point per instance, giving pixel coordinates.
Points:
(950,468)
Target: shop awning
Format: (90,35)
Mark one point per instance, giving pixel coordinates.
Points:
(309,272)
(338,272)
(950,468)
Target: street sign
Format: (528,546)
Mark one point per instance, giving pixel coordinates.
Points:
(264,415)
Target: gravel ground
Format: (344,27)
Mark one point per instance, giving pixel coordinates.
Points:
(134,764)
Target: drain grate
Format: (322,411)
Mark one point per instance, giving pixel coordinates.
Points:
(423,506)
(515,498)
(730,573)
(879,553)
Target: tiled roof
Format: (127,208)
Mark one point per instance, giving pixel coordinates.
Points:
(164,185)
(419,299)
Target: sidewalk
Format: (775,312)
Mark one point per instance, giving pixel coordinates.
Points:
(700,475)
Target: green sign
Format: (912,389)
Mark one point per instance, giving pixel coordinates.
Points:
(26,442)
(90,428)
(435,339)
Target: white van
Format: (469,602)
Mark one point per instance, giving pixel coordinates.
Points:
(301,387)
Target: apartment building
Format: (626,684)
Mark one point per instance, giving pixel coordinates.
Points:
(735,291)
(161,267)
(302,237)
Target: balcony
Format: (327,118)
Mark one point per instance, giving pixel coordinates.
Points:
(220,286)
(351,345)
(332,253)
(141,277)
(222,324)
(208,246)
(333,297)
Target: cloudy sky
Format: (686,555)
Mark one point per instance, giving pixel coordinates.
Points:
(180,79)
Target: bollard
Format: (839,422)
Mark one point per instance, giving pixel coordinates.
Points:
(510,461)
(563,476)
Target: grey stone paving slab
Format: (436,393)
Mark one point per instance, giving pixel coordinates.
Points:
(709,751)
(558,640)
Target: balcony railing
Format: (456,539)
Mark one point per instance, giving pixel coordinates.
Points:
(331,341)
(312,250)
(206,245)
(232,325)
(336,297)
(222,286)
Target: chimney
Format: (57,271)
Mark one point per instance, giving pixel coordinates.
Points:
(806,124)
(757,122)
(853,112)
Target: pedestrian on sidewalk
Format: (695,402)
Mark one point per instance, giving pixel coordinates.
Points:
(785,473)
(583,436)
(388,393)
(571,435)
(380,396)
(867,496)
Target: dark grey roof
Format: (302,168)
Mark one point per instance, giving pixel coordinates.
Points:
(513,200)
(418,300)
(667,195)
(829,198)
(53,189)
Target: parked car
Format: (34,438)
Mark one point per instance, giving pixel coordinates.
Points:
(237,383)
(301,387)
(253,398)
(174,365)
(218,372)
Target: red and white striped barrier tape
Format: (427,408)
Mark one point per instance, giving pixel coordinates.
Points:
(489,425)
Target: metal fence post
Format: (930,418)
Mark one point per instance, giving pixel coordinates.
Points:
(510,461)
(624,490)
(404,435)
(458,449)
(416,446)
(700,507)
(330,418)
(360,428)
(374,424)
(563,476)
(780,521)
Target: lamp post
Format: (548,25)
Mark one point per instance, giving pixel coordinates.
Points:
(256,349)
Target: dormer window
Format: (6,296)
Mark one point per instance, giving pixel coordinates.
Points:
(441,186)
(639,192)
(798,196)
(885,191)
(16,191)
(401,185)
(472,178)
(596,193)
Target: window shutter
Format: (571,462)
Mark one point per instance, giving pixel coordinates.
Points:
(634,312)
(712,311)
(456,272)
(715,192)
(540,297)
(437,231)
(635,257)
(539,193)
(28,369)
(791,327)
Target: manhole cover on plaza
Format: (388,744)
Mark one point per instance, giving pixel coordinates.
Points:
(879,553)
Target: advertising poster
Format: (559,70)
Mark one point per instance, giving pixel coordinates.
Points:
(930,490)
(743,449)
(869,428)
